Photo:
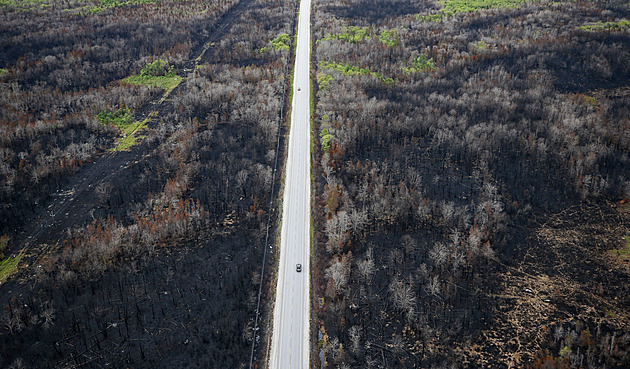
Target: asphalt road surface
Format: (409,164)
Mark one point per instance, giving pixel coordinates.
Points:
(290,339)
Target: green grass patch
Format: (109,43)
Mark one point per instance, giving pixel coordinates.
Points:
(3,71)
(420,64)
(623,253)
(622,25)
(134,127)
(156,74)
(9,265)
(164,82)
(389,37)
(131,135)
(127,143)
(129,128)
(352,70)
(353,35)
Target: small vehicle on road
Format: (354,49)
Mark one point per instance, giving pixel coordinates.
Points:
(298,267)
(299,89)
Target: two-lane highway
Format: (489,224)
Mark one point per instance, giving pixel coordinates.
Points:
(290,337)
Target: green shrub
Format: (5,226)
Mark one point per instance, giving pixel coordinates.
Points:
(22,5)
(106,4)
(156,74)
(389,37)
(353,70)
(622,25)
(281,42)
(120,118)
(420,64)
(452,7)
(323,80)
(430,17)
(467,6)
(325,139)
(353,34)
(157,68)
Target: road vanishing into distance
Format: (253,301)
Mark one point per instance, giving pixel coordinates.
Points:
(290,336)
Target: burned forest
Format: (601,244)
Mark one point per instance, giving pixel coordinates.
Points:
(138,148)
(472,184)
